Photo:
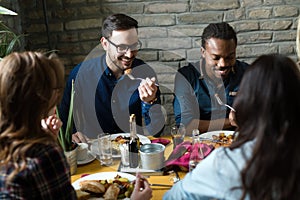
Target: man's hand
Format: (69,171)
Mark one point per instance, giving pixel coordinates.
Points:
(147,90)
(232,119)
(78,137)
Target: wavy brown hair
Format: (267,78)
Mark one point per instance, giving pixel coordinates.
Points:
(30,85)
(267,110)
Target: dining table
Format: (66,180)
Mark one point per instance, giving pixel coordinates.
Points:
(157,178)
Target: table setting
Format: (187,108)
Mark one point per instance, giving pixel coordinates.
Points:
(172,165)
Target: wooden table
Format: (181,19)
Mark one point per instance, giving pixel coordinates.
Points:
(158,192)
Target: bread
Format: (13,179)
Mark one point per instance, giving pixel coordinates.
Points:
(112,192)
(93,186)
(81,195)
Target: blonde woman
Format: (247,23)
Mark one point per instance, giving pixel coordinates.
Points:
(32,165)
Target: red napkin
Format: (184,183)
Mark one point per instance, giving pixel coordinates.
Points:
(181,155)
(161,141)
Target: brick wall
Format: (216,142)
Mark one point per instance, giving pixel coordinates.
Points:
(170,29)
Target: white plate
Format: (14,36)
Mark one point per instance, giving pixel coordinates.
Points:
(102,176)
(90,158)
(211,133)
(94,143)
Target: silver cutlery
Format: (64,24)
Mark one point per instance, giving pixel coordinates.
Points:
(134,78)
(160,185)
(222,103)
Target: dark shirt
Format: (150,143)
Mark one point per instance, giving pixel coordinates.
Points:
(46,176)
(104,104)
(195,93)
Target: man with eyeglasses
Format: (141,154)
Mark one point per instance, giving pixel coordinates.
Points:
(218,73)
(104,96)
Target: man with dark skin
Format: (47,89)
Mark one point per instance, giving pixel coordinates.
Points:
(217,73)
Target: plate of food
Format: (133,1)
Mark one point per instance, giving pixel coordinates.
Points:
(218,138)
(117,139)
(108,185)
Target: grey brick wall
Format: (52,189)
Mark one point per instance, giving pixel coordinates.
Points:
(170,30)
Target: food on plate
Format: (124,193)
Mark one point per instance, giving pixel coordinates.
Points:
(112,192)
(117,188)
(121,139)
(220,140)
(223,138)
(127,71)
(117,141)
(92,186)
(82,195)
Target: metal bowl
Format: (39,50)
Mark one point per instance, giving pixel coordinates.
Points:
(152,156)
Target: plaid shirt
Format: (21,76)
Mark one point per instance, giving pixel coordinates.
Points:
(46,176)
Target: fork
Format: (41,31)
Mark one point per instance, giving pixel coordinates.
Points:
(133,78)
(222,103)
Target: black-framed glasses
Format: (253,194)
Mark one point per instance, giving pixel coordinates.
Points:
(122,48)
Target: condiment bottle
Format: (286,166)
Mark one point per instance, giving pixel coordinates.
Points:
(196,151)
(134,144)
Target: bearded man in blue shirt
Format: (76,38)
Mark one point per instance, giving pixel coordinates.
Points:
(217,73)
(104,96)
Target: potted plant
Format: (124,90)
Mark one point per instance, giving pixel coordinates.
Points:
(8,39)
(65,137)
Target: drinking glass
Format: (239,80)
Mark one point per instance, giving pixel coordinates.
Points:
(124,154)
(105,149)
(178,132)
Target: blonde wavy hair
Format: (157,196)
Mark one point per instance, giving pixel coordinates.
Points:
(30,85)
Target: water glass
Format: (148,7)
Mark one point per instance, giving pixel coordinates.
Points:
(178,132)
(105,149)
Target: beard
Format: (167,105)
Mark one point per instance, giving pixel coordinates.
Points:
(125,61)
(122,62)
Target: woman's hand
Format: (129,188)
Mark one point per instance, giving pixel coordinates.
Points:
(142,189)
(52,124)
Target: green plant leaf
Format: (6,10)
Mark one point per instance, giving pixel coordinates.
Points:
(15,41)
(65,136)
(69,128)
(5,11)
(8,40)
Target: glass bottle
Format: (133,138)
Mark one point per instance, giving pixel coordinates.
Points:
(196,151)
(134,144)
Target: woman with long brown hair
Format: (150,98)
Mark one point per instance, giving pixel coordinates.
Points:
(32,164)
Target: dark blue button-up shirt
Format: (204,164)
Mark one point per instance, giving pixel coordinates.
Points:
(103,104)
(195,92)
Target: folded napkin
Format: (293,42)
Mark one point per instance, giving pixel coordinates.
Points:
(181,155)
(161,141)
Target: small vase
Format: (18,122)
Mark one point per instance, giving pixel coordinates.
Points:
(72,160)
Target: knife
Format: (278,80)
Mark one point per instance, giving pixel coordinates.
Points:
(160,185)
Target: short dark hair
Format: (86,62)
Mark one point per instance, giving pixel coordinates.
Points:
(117,22)
(218,30)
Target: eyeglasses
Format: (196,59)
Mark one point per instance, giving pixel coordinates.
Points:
(122,48)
